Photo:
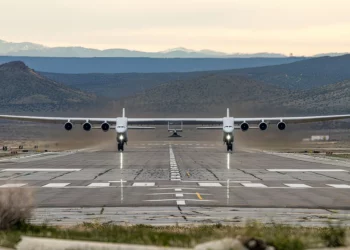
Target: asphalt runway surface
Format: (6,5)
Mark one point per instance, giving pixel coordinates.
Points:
(149,176)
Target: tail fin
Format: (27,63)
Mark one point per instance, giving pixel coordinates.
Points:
(123,112)
(228,112)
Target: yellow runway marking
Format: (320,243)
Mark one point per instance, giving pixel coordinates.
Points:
(199,196)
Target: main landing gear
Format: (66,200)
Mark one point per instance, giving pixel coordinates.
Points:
(121,146)
(229,146)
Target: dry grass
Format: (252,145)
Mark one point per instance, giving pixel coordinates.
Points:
(16,205)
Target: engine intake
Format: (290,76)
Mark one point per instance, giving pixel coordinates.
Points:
(68,126)
(281,126)
(87,126)
(263,126)
(244,126)
(105,126)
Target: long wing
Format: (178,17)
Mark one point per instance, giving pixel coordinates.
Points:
(58,120)
(165,121)
(293,120)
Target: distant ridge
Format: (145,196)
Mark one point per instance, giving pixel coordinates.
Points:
(33,49)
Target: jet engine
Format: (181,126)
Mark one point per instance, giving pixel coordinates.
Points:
(244,126)
(105,127)
(68,126)
(87,126)
(263,126)
(281,126)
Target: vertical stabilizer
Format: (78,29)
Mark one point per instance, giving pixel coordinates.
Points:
(228,112)
(123,112)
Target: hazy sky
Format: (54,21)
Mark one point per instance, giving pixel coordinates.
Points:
(298,26)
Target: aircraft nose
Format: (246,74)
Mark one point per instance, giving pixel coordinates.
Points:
(228,129)
(121,130)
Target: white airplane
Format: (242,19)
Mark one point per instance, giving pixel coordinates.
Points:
(226,124)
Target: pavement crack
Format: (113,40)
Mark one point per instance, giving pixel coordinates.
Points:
(102,173)
(251,174)
(59,175)
(182,215)
(329,176)
(212,173)
(138,173)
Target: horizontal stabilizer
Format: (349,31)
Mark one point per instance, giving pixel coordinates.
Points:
(140,127)
(209,127)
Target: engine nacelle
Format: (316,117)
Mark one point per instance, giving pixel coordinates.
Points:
(263,126)
(105,127)
(244,126)
(281,126)
(87,126)
(68,126)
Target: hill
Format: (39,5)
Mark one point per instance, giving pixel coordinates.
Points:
(141,65)
(24,89)
(304,74)
(211,94)
(208,94)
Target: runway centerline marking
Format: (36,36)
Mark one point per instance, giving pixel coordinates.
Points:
(174,170)
(199,196)
(305,170)
(180,203)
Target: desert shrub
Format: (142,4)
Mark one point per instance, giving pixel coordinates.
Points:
(16,205)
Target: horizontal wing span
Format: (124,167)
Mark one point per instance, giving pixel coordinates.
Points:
(58,120)
(301,119)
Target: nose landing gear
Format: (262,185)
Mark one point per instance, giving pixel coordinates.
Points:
(229,146)
(121,146)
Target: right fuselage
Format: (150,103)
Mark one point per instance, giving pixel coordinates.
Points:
(228,132)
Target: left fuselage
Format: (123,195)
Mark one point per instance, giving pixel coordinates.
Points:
(122,129)
(228,130)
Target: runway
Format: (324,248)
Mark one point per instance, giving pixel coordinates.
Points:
(172,174)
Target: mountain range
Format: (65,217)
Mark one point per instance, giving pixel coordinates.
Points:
(33,49)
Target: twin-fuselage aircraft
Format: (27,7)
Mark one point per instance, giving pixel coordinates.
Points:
(227,124)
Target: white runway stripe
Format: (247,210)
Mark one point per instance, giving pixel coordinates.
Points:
(298,185)
(179,195)
(99,184)
(339,185)
(180,202)
(13,185)
(143,184)
(254,185)
(56,185)
(41,170)
(305,170)
(209,184)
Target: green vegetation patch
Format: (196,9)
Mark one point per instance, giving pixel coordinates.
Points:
(279,236)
